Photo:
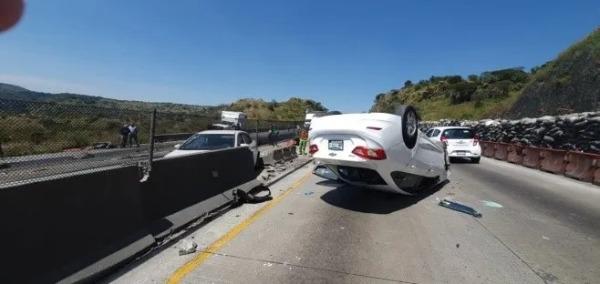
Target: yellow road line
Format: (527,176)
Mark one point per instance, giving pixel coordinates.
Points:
(189,266)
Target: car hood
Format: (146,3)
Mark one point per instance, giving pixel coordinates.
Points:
(179,153)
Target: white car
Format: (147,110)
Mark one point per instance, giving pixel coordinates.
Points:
(462,142)
(210,140)
(378,150)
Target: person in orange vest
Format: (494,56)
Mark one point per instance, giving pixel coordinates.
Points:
(303,141)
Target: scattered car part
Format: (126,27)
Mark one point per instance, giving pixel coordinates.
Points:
(450,204)
(325,172)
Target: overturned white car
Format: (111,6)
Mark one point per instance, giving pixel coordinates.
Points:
(379,150)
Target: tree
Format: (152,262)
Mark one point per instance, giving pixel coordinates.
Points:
(454,79)
(407,84)
(473,78)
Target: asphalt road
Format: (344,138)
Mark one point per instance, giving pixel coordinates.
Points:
(536,227)
(34,167)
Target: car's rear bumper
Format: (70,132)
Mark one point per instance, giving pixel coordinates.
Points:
(361,176)
(464,155)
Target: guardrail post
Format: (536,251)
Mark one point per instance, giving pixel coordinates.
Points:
(151,150)
(257,133)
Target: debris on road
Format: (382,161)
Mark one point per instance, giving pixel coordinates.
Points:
(254,196)
(545,238)
(491,204)
(187,247)
(459,207)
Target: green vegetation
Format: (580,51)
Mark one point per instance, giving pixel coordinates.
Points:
(567,84)
(290,110)
(33,122)
(570,83)
(477,96)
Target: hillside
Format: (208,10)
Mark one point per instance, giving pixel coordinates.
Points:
(570,83)
(292,109)
(488,94)
(12,92)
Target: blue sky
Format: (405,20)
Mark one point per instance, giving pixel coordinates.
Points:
(341,53)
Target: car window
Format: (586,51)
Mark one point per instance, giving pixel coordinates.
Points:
(435,133)
(429,132)
(459,133)
(247,138)
(208,142)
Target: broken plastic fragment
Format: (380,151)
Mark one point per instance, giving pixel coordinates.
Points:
(187,247)
(491,204)
(459,207)
(325,173)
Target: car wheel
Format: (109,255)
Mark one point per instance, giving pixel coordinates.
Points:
(410,125)
(475,160)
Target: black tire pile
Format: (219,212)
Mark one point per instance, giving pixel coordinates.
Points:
(575,132)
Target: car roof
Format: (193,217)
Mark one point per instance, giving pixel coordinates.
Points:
(220,132)
(450,127)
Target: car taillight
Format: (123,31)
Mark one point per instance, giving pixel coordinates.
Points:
(313,149)
(444,139)
(371,154)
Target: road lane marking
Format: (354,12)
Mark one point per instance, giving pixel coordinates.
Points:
(200,258)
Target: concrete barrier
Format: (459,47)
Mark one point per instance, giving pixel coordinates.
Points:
(183,188)
(172,137)
(531,157)
(488,148)
(581,166)
(501,151)
(596,179)
(553,161)
(289,153)
(71,228)
(515,154)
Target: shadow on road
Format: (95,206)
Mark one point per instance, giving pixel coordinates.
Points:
(371,201)
(330,183)
(461,161)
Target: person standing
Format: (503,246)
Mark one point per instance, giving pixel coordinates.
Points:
(272,135)
(124,131)
(133,132)
(303,141)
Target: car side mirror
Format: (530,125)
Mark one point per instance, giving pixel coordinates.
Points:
(177,146)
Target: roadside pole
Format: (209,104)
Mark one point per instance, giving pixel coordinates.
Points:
(257,133)
(151,150)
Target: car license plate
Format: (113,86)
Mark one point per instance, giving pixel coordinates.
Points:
(461,153)
(336,145)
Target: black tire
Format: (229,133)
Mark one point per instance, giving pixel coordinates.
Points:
(475,160)
(410,125)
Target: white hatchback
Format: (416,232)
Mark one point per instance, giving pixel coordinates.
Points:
(461,142)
